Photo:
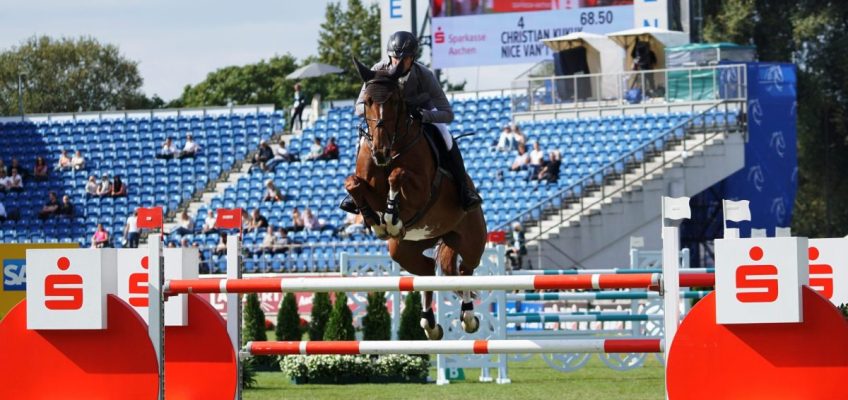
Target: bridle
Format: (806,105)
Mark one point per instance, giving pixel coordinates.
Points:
(365,129)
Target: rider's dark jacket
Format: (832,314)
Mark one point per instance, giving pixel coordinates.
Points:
(421,89)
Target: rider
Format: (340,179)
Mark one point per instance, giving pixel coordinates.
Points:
(426,101)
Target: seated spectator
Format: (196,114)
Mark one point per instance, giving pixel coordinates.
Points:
(257,222)
(263,155)
(78,161)
(100,239)
(353,224)
(4,181)
(316,150)
(282,240)
(221,247)
(50,208)
(281,154)
(184,243)
(66,208)
(209,223)
(91,186)
(297,221)
(202,265)
(272,193)
(550,172)
(311,221)
(64,162)
(508,141)
(105,187)
(521,140)
(190,148)
(185,225)
(119,188)
(172,244)
(521,159)
(331,150)
(39,171)
(16,165)
(269,242)
(131,231)
(15,182)
(168,150)
(537,159)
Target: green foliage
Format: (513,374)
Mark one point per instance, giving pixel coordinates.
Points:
(733,23)
(341,369)
(340,325)
(320,315)
(377,323)
(288,319)
(410,317)
(68,75)
(352,31)
(260,83)
(844,309)
(248,373)
(254,330)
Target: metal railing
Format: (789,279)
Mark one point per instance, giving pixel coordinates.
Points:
(264,260)
(716,120)
(582,91)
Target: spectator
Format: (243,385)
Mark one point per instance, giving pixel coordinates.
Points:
(644,59)
(119,188)
(105,187)
(263,155)
(520,139)
(78,161)
(3,214)
(281,154)
(91,186)
(185,225)
(172,244)
(40,170)
(311,221)
(521,159)
(100,239)
(15,182)
(64,162)
(517,249)
(184,243)
(269,242)
(316,150)
(168,150)
(282,240)
(17,165)
(297,108)
(297,221)
(272,193)
(508,141)
(3,167)
(209,223)
(353,224)
(4,181)
(66,208)
(131,233)
(331,150)
(190,148)
(550,172)
(202,265)
(257,222)
(221,247)
(537,158)
(50,208)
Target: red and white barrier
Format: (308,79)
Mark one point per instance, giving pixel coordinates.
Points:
(457,347)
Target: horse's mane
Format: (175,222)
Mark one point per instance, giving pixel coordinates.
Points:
(381,87)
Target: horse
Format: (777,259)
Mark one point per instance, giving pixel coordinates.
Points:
(406,199)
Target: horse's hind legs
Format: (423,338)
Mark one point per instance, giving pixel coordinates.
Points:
(470,322)
(432,330)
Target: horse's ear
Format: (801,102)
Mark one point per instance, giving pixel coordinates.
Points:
(396,72)
(364,72)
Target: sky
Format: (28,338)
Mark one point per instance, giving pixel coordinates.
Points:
(178,42)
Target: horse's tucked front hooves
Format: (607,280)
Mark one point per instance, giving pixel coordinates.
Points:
(432,330)
(394,226)
(470,322)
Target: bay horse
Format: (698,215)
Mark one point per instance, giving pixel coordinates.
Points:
(400,191)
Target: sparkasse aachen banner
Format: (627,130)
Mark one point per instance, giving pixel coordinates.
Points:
(493,32)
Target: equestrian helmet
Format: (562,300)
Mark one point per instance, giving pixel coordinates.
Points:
(402,44)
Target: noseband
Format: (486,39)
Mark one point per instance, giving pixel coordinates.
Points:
(394,138)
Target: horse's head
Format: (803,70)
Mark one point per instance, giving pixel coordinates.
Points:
(385,112)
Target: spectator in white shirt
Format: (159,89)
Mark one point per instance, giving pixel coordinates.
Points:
(105,187)
(209,223)
(272,193)
(4,180)
(186,225)
(508,141)
(521,160)
(78,161)
(537,159)
(169,150)
(131,230)
(311,221)
(281,154)
(16,183)
(91,186)
(64,162)
(190,149)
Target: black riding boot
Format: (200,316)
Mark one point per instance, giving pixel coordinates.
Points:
(348,205)
(468,198)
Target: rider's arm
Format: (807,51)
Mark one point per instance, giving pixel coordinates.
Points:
(443,111)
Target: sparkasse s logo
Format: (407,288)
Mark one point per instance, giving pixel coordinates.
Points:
(14,275)
(440,35)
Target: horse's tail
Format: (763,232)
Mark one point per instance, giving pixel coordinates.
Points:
(447,258)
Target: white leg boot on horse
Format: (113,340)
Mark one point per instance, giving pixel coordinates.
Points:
(470,321)
(432,330)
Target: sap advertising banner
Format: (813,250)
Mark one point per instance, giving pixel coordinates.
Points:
(514,37)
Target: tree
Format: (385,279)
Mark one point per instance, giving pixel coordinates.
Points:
(353,31)
(410,318)
(320,315)
(68,75)
(340,325)
(288,319)
(377,323)
(254,330)
(260,83)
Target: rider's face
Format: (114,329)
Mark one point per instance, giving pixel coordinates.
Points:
(406,62)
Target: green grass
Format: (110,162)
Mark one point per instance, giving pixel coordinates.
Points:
(530,380)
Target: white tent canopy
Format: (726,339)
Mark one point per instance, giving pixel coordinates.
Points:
(659,39)
(602,55)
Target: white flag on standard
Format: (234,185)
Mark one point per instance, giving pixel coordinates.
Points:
(675,208)
(737,210)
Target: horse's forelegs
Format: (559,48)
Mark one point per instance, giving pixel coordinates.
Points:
(391,218)
(360,191)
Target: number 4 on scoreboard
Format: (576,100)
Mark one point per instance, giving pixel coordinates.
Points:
(521,22)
